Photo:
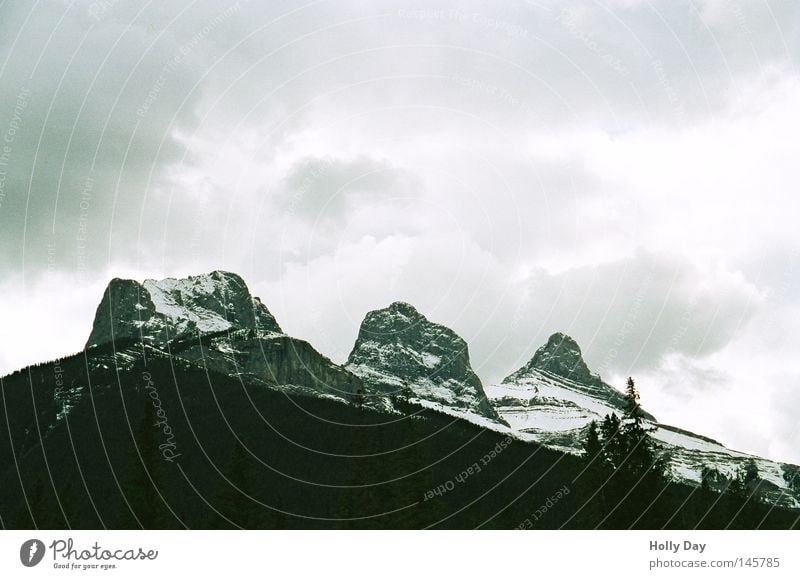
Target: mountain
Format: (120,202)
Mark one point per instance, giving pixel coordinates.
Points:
(553,398)
(399,349)
(212,321)
(561,357)
(160,311)
(165,444)
(191,408)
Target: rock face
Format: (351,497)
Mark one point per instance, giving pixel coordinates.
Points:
(160,311)
(561,358)
(271,359)
(212,321)
(398,348)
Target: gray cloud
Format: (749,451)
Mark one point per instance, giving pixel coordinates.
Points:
(325,188)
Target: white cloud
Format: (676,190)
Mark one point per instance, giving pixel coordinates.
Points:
(744,394)
(45,318)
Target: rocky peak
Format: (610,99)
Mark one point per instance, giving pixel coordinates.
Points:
(561,356)
(398,318)
(399,348)
(157,311)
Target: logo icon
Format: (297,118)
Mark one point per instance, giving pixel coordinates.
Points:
(32,552)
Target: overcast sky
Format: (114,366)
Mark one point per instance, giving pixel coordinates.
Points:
(623,171)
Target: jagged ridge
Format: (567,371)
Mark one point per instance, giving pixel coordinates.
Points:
(160,311)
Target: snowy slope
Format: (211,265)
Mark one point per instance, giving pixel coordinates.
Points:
(555,410)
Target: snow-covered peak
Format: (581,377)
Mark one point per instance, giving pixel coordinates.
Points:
(561,360)
(162,310)
(562,356)
(399,349)
(554,397)
(556,412)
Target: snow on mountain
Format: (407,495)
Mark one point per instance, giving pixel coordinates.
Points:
(213,321)
(159,311)
(554,397)
(210,320)
(398,348)
(561,357)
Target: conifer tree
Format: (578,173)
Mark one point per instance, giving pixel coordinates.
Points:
(148,472)
(358,398)
(639,452)
(791,474)
(746,481)
(708,476)
(594,475)
(751,474)
(632,397)
(229,499)
(610,436)
(592,444)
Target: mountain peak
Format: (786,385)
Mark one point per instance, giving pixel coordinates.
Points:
(157,311)
(405,309)
(562,356)
(561,347)
(558,337)
(398,347)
